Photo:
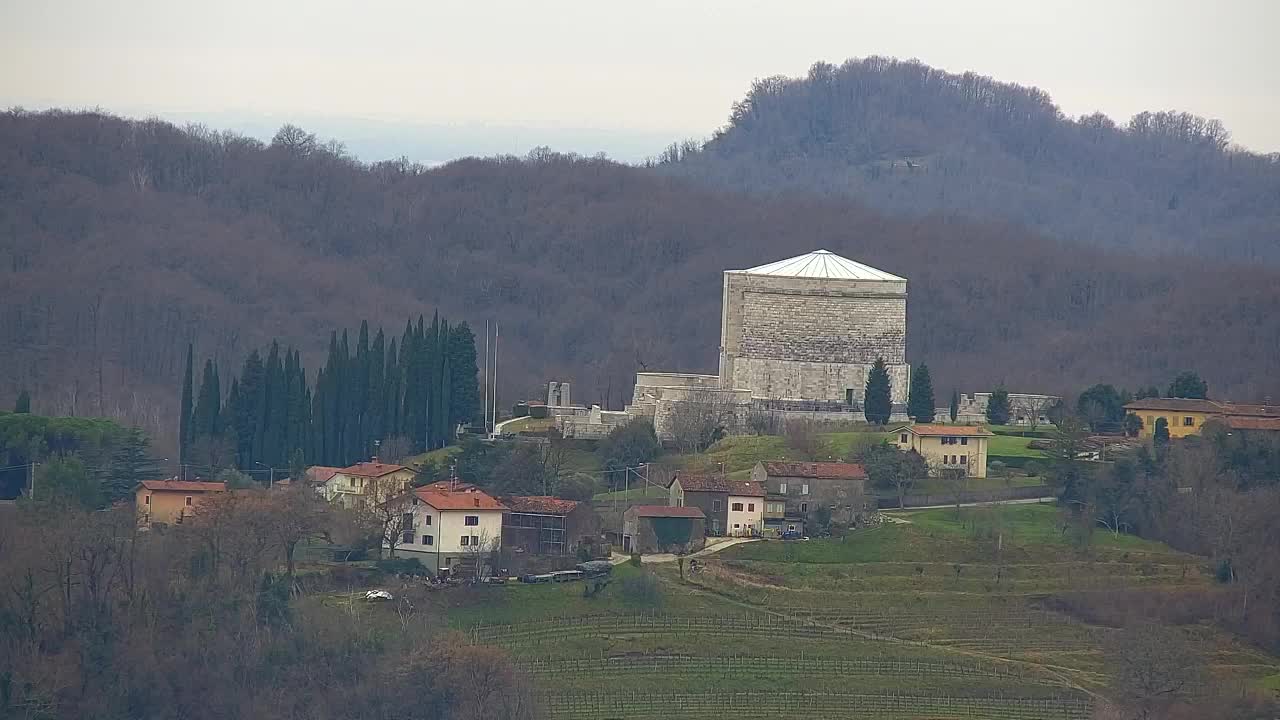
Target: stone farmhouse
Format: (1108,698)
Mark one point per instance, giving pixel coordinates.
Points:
(662,529)
(1024,408)
(796,491)
(730,507)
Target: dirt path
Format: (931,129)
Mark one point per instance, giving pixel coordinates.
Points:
(714,545)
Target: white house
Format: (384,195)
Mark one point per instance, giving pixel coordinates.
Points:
(746,508)
(365,481)
(451,527)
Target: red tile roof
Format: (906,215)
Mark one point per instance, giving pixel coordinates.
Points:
(541,504)
(372,469)
(1240,422)
(320,474)
(950,430)
(746,488)
(661,511)
(466,498)
(823,470)
(702,483)
(183,486)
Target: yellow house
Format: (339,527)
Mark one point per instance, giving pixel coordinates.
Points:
(169,501)
(1187,416)
(367,481)
(948,447)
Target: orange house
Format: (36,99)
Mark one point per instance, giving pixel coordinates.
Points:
(169,501)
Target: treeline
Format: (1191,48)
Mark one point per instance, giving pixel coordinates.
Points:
(197,621)
(407,397)
(109,459)
(906,137)
(595,269)
(1215,494)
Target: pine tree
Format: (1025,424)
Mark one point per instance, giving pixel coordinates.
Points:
(877,401)
(184,417)
(23,405)
(920,401)
(998,407)
(131,463)
(955,405)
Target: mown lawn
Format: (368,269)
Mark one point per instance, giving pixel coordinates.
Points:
(1012,446)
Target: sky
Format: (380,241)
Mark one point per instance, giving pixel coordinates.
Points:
(495,76)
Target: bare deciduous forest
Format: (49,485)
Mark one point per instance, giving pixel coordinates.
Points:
(907,138)
(121,241)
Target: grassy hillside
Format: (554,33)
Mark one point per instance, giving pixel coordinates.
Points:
(927,618)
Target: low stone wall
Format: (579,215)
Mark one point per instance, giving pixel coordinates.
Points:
(971,496)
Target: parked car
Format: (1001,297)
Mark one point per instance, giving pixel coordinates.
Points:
(378,596)
(793,535)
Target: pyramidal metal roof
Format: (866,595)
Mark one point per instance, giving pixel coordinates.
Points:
(821,264)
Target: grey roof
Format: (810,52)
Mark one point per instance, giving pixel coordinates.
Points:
(821,264)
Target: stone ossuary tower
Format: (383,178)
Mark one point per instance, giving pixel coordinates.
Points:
(809,328)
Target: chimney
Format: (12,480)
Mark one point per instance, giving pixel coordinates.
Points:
(477,501)
(374,460)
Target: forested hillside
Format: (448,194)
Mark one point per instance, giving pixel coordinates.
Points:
(906,138)
(123,241)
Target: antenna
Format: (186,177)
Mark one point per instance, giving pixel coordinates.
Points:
(495,375)
(485,378)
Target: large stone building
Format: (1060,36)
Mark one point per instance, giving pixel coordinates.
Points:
(810,328)
(798,338)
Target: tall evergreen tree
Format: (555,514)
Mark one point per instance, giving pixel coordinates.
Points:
(131,463)
(955,405)
(998,409)
(920,401)
(184,416)
(391,393)
(464,389)
(249,410)
(877,402)
(375,406)
(23,404)
(1188,385)
(206,416)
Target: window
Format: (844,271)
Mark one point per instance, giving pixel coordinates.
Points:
(804,507)
(415,502)
(407,538)
(471,520)
(737,507)
(737,526)
(465,541)
(964,441)
(188,501)
(428,540)
(406,521)
(804,489)
(751,507)
(146,500)
(426,520)
(1188,421)
(791,527)
(902,438)
(475,541)
(782,488)
(964,459)
(715,506)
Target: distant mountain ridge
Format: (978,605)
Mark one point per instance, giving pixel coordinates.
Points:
(907,138)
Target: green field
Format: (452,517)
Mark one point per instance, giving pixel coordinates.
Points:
(937,616)
(1012,446)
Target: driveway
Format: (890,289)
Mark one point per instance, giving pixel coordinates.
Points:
(714,545)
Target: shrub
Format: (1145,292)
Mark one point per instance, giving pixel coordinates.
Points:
(642,589)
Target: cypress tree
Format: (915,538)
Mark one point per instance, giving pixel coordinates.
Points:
(391,391)
(376,403)
(205,418)
(275,411)
(998,407)
(184,417)
(23,404)
(130,464)
(955,405)
(920,401)
(877,402)
(249,410)
(464,390)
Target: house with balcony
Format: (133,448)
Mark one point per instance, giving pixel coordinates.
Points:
(371,481)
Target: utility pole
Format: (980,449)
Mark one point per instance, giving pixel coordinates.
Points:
(32,495)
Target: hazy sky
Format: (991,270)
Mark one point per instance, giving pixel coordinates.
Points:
(651,66)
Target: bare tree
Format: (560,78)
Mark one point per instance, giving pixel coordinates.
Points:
(386,511)
(802,436)
(481,553)
(301,515)
(702,418)
(1154,667)
(394,449)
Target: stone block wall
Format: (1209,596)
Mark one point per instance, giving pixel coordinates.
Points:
(810,338)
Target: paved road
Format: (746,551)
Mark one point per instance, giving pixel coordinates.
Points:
(1023,501)
(714,545)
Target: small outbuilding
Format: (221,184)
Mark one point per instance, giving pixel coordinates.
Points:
(544,525)
(663,529)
